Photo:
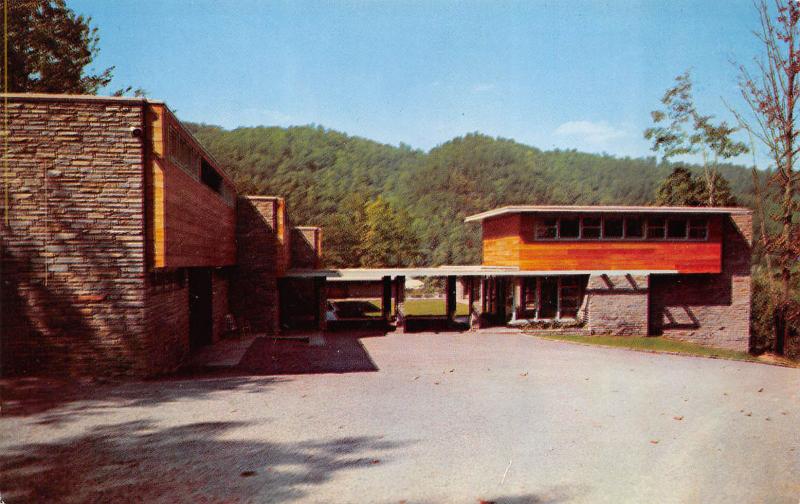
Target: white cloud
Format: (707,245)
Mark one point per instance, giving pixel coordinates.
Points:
(597,134)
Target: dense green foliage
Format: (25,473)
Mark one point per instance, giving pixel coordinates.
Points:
(49,47)
(682,188)
(328,177)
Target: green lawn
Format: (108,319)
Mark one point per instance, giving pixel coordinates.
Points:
(655,344)
(431,307)
(419,307)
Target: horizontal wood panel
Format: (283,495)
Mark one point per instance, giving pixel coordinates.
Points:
(199,227)
(509,241)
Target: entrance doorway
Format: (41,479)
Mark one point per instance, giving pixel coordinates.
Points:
(200,306)
(548,307)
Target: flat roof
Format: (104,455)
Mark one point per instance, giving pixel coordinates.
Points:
(79,97)
(512,209)
(134,100)
(374,274)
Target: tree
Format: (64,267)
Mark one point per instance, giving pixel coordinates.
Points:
(344,231)
(49,48)
(670,136)
(772,92)
(680,188)
(389,241)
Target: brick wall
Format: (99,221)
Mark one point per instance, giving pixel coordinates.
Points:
(617,304)
(73,250)
(712,310)
(254,287)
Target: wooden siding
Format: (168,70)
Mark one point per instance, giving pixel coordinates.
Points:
(189,224)
(509,241)
(502,240)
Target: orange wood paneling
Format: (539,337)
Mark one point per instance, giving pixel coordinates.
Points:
(190,225)
(502,240)
(502,248)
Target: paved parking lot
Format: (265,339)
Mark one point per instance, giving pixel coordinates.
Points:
(412,418)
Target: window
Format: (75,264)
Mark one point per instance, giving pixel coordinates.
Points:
(620,227)
(569,227)
(570,297)
(547,228)
(209,176)
(676,228)
(529,295)
(656,228)
(698,229)
(612,227)
(553,297)
(634,227)
(590,228)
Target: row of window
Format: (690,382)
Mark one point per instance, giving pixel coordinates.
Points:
(182,153)
(545,298)
(621,228)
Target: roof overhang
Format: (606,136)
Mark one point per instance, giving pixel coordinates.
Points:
(514,209)
(377,274)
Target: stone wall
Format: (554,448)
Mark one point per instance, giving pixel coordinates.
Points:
(254,288)
(617,304)
(306,247)
(73,249)
(710,309)
(167,315)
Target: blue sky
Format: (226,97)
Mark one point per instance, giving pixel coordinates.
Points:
(553,74)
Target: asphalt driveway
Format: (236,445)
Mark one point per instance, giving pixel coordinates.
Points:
(418,418)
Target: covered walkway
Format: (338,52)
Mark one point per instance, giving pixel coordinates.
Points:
(496,295)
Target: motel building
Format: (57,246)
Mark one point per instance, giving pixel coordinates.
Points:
(127,247)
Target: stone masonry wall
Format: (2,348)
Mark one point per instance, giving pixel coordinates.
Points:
(167,315)
(617,304)
(305,247)
(254,285)
(712,310)
(73,250)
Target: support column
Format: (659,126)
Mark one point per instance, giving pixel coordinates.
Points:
(399,299)
(476,302)
(518,305)
(450,297)
(386,298)
(322,303)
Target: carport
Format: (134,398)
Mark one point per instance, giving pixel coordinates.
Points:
(490,297)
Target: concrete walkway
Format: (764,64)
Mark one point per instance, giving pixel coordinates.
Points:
(441,418)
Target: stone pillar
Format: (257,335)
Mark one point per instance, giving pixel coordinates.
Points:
(386,298)
(476,302)
(400,296)
(618,304)
(322,302)
(450,297)
(517,313)
(254,286)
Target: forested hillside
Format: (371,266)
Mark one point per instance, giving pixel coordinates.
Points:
(328,177)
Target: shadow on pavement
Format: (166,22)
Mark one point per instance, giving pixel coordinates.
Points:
(339,352)
(68,399)
(140,462)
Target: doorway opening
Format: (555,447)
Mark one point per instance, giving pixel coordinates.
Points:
(200,307)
